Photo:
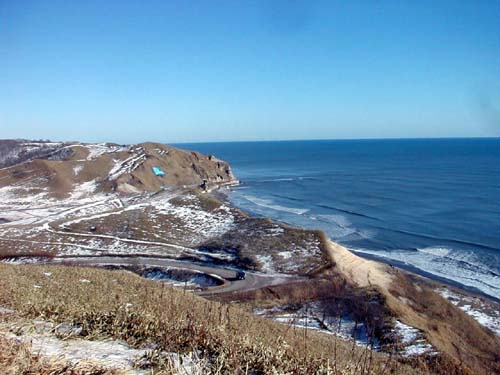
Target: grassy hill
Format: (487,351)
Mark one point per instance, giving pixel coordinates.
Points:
(225,338)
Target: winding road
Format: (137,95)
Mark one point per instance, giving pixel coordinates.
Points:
(252,280)
(57,224)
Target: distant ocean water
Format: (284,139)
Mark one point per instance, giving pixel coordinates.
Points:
(432,205)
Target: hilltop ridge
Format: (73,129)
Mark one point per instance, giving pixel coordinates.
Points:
(60,168)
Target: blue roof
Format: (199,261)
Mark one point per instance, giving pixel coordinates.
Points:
(158,172)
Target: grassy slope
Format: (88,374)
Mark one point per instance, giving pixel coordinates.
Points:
(234,341)
(412,300)
(447,327)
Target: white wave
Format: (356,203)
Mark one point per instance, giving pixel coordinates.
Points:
(339,220)
(439,251)
(367,234)
(279,179)
(267,203)
(337,226)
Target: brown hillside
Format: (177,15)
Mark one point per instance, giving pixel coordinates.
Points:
(110,168)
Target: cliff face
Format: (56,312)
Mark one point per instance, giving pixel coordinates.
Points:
(58,168)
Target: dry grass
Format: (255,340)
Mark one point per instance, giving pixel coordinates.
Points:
(11,253)
(123,306)
(251,238)
(463,344)
(448,328)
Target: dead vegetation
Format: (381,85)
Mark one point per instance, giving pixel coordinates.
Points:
(121,305)
(15,151)
(126,169)
(464,346)
(35,255)
(285,249)
(448,328)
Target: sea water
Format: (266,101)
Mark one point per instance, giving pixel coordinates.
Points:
(432,205)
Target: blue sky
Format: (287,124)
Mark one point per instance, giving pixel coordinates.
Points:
(183,71)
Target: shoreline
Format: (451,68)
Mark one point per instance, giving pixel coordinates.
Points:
(446,315)
(138,213)
(428,275)
(224,191)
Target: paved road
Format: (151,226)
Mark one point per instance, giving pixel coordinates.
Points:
(252,280)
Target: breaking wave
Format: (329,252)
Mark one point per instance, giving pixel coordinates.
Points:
(436,251)
(268,203)
(330,207)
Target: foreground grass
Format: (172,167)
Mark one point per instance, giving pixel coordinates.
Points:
(121,305)
(17,358)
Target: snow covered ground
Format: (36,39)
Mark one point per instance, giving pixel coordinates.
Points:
(128,165)
(37,223)
(48,340)
(90,222)
(99,149)
(475,307)
(312,316)
(189,279)
(411,340)
(202,224)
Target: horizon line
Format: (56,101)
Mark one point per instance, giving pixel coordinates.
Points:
(256,141)
(334,139)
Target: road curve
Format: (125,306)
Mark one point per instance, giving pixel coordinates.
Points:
(252,280)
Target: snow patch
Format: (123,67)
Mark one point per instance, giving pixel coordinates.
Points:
(266,263)
(77,169)
(4,310)
(84,189)
(412,340)
(312,316)
(285,254)
(110,354)
(475,308)
(203,224)
(99,149)
(128,165)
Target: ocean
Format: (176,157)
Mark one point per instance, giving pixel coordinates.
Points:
(429,205)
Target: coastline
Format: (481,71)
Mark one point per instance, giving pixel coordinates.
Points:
(368,271)
(358,270)
(223,192)
(370,201)
(428,275)
(411,300)
(265,262)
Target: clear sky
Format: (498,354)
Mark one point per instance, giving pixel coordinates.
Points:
(181,71)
